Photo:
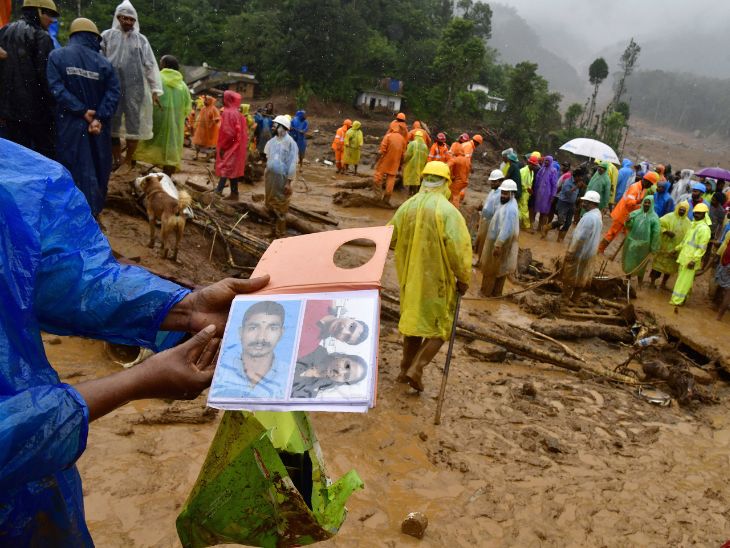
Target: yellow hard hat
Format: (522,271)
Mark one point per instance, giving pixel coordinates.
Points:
(83,25)
(44,4)
(437,168)
(701,208)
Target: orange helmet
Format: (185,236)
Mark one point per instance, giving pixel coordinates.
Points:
(478,138)
(401,117)
(347,123)
(652,177)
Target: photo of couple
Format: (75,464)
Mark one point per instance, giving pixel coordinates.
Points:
(296,348)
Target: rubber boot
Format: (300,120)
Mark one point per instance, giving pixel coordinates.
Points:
(561,235)
(233,197)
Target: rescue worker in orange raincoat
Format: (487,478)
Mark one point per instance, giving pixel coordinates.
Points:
(463,138)
(459,167)
(439,150)
(424,134)
(399,125)
(207,124)
(470,146)
(630,202)
(338,144)
(390,156)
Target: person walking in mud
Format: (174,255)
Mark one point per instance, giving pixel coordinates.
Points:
(282,156)
(433,261)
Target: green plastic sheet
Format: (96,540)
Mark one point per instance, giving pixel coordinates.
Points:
(246,495)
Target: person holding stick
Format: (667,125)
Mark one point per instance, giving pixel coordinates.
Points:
(433,261)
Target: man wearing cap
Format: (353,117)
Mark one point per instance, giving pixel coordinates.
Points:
(499,256)
(439,150)
(414,160)
(390,156)
(691,251)
(578,261)
(139,77)
(630,201)
(86,90)
(511,171)
(433,261)
(399,126)
(26,103)
(568,191)
(470,145)
(489,209)
(282,155)
(696,198)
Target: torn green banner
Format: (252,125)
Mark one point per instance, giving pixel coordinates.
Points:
(264,483)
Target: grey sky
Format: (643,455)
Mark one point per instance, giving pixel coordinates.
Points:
(601,23)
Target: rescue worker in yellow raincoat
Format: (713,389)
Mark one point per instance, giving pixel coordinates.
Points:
(413,162)
(433,261)
(691,251)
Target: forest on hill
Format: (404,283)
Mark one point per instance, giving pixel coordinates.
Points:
(333,48)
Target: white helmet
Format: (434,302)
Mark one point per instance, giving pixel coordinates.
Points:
(509,185)
(283,121)
(496,174)
(592,196)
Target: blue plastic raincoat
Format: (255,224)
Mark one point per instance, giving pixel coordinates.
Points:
(58,275)
(503,232)
(80,79)
(625,178)
(298,131)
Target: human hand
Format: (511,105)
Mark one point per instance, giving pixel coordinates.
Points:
(461,287)
(497,251)
(669,233)
(182,372)
(156,100)
(95,127)
(89,115)
(287,188)
(209,305)
(691,265)
(3,54)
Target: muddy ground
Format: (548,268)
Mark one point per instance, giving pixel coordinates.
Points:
(527,454)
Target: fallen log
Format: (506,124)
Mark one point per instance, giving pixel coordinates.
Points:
(353,199)
(314,215)
(582,330)
(528,349)
(292,221)
(614,320)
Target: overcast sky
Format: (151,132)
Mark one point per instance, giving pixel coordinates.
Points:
(602,23)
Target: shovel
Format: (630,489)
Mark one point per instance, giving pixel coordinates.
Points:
(445,378)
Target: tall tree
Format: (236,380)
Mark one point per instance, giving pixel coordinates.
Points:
(597,73)
(627,63)
(574,111)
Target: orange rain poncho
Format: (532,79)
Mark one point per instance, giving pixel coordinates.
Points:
(417,127)
(399,126)
(391,152)
(338,143)
(459,166)
(439,152)
(207,125)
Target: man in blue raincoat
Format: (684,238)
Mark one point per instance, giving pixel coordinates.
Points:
(59,276)
(298,132)
(625,179)
(86,90)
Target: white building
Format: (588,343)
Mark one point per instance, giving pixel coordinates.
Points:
(496,104)
(376,100)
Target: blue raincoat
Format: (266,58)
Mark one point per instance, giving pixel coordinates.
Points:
(58,275)
(298,131)
(625,178)
(80,79)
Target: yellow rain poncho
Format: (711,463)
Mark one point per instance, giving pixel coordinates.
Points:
(168,123)
(613,177)
(246,111)
(414,160)
(353,143)
(691,250)
(665,260)
(527,176)
(432,250)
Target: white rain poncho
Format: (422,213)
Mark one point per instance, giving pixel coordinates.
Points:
(132,57)
(504,232)
(682,187)
(490,206)
(577,270)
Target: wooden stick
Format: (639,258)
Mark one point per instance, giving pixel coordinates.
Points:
(445,377)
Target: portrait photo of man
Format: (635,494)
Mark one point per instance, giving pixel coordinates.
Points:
(257,358)
(323,320)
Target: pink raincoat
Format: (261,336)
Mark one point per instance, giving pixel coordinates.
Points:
(232,139)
